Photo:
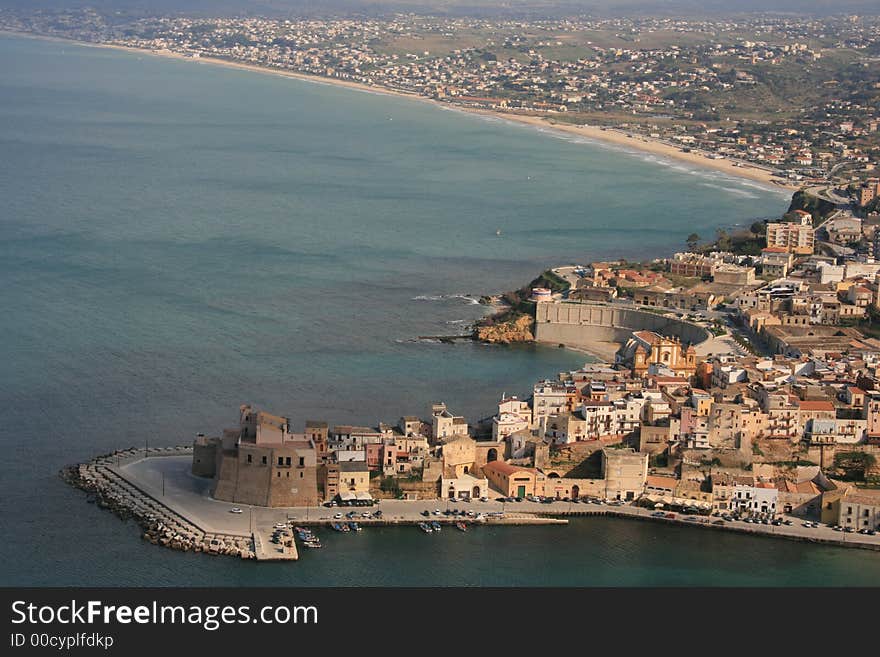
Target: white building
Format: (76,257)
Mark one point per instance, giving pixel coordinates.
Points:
(761,498)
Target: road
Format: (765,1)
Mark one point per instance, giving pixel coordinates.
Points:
(827,193)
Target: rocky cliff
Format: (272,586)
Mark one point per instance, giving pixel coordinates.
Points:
(518,329)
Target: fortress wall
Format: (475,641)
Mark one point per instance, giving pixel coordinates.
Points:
(580,324)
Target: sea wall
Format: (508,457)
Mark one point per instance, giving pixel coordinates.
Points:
(579,324)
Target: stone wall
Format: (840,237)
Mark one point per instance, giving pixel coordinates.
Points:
(576,324)
(204,463)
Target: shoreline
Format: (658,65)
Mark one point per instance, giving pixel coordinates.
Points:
(175,522)
(606,135)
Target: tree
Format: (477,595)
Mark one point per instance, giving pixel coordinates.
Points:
(692,240)
(758,228)
(723,240)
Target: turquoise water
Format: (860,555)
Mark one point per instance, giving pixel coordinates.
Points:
(178,238)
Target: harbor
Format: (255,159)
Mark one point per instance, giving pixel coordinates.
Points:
(174,509)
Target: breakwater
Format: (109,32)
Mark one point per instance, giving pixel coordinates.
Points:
(160,525)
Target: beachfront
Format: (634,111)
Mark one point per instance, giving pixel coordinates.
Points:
(611,136)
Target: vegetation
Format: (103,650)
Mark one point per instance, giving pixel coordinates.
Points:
(660,460)
(389,485)
(817,207)
(518,302)
(793,464)
(853,466)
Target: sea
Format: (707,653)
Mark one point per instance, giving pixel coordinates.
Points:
(179,238)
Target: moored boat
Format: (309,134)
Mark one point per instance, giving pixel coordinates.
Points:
(425,527)
(460,526)
(435,526)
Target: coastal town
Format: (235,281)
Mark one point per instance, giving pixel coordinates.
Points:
(737,392)
(793,97)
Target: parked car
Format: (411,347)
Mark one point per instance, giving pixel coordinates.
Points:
(235,509)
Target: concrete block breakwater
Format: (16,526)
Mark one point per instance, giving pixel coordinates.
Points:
(160,525)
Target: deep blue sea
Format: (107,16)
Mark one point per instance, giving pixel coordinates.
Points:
(178,238)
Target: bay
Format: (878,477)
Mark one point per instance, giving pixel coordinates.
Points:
(179,238)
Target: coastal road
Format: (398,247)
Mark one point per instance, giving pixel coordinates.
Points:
(189,496)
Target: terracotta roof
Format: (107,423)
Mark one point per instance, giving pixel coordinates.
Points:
(656,481)
(505,468)
(816,406)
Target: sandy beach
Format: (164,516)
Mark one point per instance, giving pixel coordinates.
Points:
(590,132)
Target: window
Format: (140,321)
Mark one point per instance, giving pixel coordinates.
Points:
(302,461)
(287,461)
(264,460)
(280,460)
(250,458)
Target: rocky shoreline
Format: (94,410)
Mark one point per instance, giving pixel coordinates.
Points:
(517,329)
(159,525)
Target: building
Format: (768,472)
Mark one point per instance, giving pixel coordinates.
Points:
(798,238)
(260,463)
(625,472)
(730,274)
(776,261)
(513,416)
(354,477)
(755,500)
(647,348)
(869,191)
(859,509)
(465,487)
(692,265)
(514,481)
(446,425)
(318,433)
